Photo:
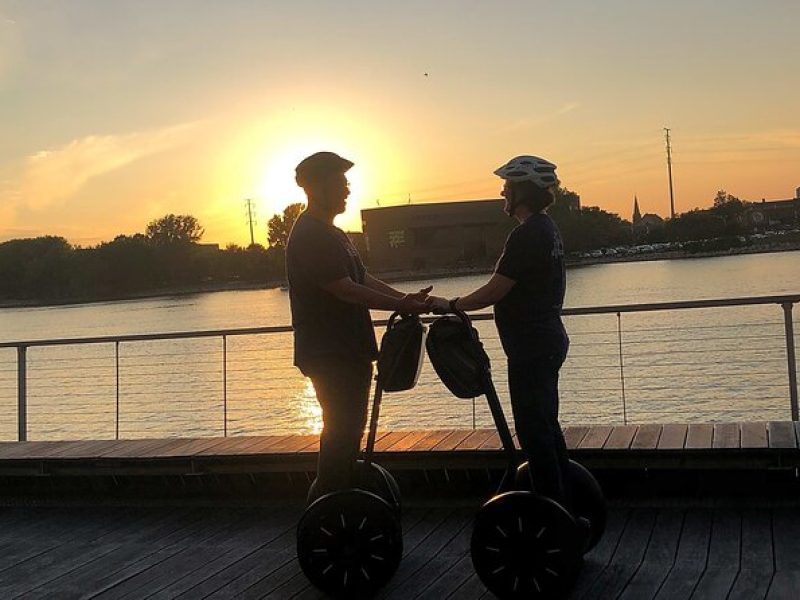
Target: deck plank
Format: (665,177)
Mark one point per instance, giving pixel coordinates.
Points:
(699,436)
(621,437)
(673,436)
(596,437)
(475,439)
(757,562)
(407,442)
(724,557)
(786,532)
(754,435)
(427,443)
(411,578)
(726,436)
(781,434)
(647,436)
(574,434)
(690,559)
(389,440)
(659,557)
(628,556)
(451,442)
(596,561)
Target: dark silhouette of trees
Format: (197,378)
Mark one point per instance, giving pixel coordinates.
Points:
(587,228)
(280,226)
(174,229)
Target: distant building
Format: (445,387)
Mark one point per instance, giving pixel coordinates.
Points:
(644,224)
(442,235)
(774,213)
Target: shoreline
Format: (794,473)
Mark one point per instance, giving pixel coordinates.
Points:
(394,276)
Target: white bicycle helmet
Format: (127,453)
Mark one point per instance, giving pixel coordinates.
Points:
(529,168)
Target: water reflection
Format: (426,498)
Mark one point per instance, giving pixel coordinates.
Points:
(309,410)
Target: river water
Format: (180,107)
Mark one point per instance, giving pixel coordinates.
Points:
(690,365)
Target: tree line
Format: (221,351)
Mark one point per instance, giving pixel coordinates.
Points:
(168,255)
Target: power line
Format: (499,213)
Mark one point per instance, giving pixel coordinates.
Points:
(669,170)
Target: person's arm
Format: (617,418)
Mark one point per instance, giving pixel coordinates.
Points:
(488,294)
(380,286)
(347,290)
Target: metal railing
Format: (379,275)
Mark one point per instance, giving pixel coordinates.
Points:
(598,358)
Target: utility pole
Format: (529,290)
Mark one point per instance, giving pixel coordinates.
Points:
(250,219)
(669,170)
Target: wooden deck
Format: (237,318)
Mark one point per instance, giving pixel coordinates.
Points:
(224,552)
(702,445)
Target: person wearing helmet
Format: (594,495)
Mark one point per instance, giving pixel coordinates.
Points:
(527,291)
(330,294)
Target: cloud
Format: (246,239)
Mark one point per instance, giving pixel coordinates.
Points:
(50,177)
(542,118)
(569,107)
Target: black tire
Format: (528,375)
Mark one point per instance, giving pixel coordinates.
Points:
(587,497)
(525,546)
(379,481)
(588,501)
(349,543)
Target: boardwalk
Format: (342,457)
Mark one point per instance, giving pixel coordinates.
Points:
(224,552)
(703,445)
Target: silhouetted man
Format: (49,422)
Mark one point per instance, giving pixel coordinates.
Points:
(331,294)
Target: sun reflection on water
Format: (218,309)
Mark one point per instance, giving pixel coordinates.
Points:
(310,411)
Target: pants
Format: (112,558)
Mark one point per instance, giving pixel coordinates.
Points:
(342,389)
(533,386)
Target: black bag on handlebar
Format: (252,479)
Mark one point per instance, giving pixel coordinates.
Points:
(400,357)
(458,357)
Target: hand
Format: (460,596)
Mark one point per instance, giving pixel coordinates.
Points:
(411,304)
(439,305)
(422,295)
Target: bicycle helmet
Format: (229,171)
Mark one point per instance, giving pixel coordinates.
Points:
(529,168)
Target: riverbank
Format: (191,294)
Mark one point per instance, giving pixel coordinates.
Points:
(395,276)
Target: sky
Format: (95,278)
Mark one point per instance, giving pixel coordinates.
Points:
(114,113)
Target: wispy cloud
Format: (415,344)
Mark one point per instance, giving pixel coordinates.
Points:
(51,176)
(544,117)
(569,107)
(7,20)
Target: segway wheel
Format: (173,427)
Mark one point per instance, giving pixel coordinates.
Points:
(589,501)
(525,546)
(587,496)
(381,482)
(349,543)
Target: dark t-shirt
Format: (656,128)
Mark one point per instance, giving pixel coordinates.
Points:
(528,318)
(324,326)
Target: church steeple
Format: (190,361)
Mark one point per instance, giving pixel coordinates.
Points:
(637,216)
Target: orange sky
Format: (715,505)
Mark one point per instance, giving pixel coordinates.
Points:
(113,115)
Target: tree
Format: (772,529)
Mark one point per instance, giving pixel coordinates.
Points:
(279,226)
(174,229)
(731,210)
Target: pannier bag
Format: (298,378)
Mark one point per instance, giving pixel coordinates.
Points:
(400,357)
(457,355)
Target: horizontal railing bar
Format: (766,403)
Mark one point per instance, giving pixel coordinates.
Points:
(589,310)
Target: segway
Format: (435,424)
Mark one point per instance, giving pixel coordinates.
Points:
(523,545)
(349,542)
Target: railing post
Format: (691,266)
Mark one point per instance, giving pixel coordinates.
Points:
(225,385)
(22,394)
(622,370)
(116,370)
(790,357)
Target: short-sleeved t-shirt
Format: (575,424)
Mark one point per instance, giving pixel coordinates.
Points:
(324,326)
(528,318)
